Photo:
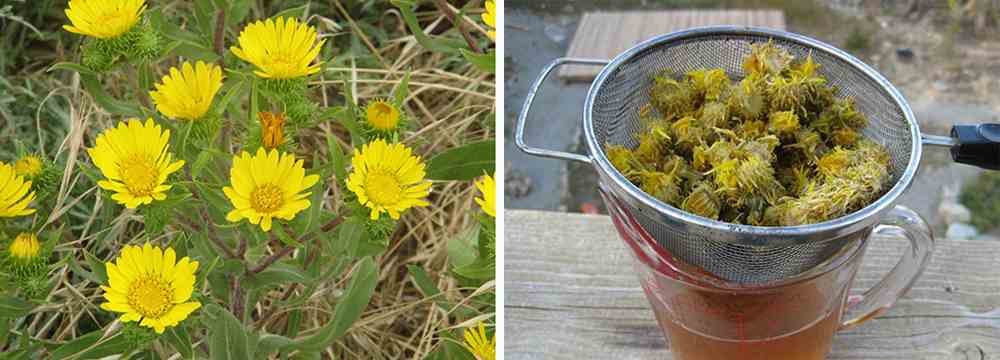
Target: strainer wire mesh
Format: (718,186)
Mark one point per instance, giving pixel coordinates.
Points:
(725,251)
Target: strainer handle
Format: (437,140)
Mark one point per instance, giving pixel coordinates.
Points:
(523,116)
(899,221)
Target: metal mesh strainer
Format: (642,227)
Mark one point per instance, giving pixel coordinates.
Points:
(739,254)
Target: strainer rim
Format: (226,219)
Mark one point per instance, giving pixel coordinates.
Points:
(884,203)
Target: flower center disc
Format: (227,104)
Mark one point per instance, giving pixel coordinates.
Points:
(150,296)
(267,198)
(139,175)
(383,189)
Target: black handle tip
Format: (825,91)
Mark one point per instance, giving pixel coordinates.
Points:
(978,145)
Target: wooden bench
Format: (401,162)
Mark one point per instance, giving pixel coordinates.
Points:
(603,35)
(570,293)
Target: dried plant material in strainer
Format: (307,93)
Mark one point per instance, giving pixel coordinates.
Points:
(776,148)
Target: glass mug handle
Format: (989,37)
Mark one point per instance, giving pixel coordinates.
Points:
(900,221)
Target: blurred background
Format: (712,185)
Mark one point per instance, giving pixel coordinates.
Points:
(944,56)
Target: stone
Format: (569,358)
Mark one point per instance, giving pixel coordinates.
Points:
(905,54)
(951,212)
(516,184)
(556,33)
(961,231)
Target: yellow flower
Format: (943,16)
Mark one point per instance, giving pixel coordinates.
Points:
(28,166)
(15,194)
(490,18)
(147,284)
(387,178)
(103,19)
(135,160)
(382,115)
(25,246)
(487,187)
(272,129)
(281,48)
(267,185)
(477,343)
(187,93)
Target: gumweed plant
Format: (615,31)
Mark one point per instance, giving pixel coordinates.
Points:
(234,190)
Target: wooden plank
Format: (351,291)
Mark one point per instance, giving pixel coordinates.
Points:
(570,293)
(603,35)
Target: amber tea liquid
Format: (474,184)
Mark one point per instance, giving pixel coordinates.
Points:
(811,343)
(796,322)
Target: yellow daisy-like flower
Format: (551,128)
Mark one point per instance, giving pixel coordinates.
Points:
(477,343)
(382,115)
(267,185)
(280,48)
(487,187)
(28,166)
(187,92)
(490,18)
(103,19)
(146,284)
(25,246)
(388,178)
(15,193)
(135,160)
(272,129)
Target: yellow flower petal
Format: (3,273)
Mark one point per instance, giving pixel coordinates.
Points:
(15,193)
(149,287)
(387,179)
(280,48)
(266,185)
(135,158)
(103,19)
(187,94)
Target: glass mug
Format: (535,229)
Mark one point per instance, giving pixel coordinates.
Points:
(790,320)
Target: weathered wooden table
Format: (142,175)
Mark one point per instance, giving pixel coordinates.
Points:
(605,34)
(570,294)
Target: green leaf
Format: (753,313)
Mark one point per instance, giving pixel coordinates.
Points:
(75,268)
(200,163)
(427,286)
(4,331)
(479,270)
(238,10)
(437,44)
(77,345)
(98,267)
(350,233)
(486,62)
(270,343)
(110,104)
(114,345)
(14,307)
(338,160)
(180,340)
(402,90)
(349,309)
(298,12)
(346,117)
(464,163)
(277,273)
(72,66)
(462,248)
(228,338)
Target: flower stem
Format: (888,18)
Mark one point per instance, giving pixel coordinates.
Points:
(455,20)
